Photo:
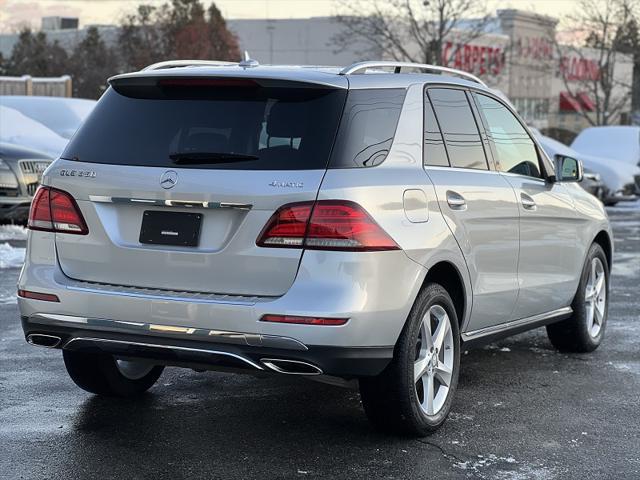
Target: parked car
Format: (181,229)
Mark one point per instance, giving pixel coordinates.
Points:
(621,143)
(18,129)
(20,173)
(312,222)
(62,115)
(592,183)
(621,181)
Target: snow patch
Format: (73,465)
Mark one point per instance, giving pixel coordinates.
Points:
(11,257)
(626,264)
(506,468)
(624,206)
(13,232)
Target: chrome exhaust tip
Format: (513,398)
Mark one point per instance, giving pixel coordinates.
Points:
(291,367)
(42,340)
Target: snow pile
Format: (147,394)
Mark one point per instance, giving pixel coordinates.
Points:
(11,257)
(13,232)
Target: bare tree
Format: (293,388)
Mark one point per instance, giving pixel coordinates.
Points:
(410,30)
(599,25)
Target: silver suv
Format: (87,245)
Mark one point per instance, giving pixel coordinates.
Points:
(366,223)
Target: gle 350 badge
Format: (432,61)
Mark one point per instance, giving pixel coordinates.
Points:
(77,173)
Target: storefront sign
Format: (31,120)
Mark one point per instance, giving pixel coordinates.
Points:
(479,59)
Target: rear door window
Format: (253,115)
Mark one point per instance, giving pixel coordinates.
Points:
(515,152)
(367,128)
(248,127)
(459,128)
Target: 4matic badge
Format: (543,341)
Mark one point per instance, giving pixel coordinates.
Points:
(282,184)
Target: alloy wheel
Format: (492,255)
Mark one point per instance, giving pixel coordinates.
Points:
(595,297)
(133,370)
(434,360)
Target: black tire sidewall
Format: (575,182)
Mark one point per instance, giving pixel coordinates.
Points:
(99,374)
(579,306)
(432,294)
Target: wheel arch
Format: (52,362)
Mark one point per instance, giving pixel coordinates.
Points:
(448,275)
(604,240)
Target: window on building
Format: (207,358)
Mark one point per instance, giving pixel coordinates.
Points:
(459,128)
(515,151)
(434,152)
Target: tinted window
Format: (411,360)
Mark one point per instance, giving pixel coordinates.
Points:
(283,128)
(515,151)
(458,128)
(367,128)
(434,151)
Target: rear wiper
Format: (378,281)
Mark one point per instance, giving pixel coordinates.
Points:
(209,157)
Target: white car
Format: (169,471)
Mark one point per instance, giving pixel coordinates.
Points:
(62,115)
(621,180)
(620,143)
(21,130)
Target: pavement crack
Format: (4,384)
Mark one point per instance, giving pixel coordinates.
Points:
(448,455)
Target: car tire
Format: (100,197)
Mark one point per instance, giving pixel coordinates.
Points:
(395,402)
(584,330)
(103,374)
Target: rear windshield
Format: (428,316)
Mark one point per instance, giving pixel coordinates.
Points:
(194,126)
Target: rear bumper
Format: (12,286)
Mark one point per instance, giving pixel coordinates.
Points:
(374,290)
(224,352)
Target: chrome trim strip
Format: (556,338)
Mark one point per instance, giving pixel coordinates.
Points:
(165,347)
(170,202)
(269,362)
(171,331)
(190,299)
(483,332)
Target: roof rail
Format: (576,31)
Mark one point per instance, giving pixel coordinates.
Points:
(187,63)
(398,66)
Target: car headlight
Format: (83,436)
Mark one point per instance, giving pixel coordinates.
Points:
(8,179)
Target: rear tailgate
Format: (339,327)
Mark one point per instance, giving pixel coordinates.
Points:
(118,167)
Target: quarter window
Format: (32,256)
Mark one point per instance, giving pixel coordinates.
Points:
(434,152)
(515,151)
(459,128)
(367,127)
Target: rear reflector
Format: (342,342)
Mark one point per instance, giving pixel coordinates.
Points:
(45,297)
(304,320)
(325,225)
(54,210)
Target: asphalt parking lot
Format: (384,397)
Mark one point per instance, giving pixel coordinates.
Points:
(522,411)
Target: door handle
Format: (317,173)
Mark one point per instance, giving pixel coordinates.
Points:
(456,201)
(527,202)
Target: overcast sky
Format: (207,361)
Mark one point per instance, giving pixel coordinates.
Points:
(17,13)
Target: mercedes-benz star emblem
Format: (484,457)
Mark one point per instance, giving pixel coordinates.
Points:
(169,179)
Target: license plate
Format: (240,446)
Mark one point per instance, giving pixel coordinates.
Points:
(170,228)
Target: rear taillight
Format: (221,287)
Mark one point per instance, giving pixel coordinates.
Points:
(54,210)
(325,225)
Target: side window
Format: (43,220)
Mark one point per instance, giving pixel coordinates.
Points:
(367,127)
(459,128)
(434,152)
(515,151)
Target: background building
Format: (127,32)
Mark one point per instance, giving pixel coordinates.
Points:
(516,53)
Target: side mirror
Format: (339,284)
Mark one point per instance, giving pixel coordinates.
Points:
(568,169)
